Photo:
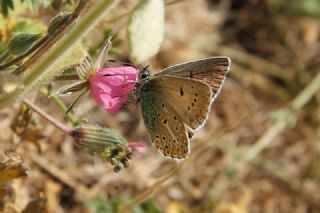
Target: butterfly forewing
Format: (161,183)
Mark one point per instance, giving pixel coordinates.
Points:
(210,70)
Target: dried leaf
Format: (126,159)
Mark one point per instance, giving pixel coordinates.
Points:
(146,30)
(175,207)
(7,197)
(26,127)
(11,167)
(35,206)
(21,120)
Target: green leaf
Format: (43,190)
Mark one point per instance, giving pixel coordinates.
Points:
(302,8)
(146,30)
(57,21)
(21,43)
(5,6)
(34,4)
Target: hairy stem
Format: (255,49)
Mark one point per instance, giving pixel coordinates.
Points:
(67,130)
(21,57)
(37,71)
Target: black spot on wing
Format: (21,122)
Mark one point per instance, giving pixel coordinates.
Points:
(181,91)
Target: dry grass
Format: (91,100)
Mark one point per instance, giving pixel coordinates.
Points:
(275,57)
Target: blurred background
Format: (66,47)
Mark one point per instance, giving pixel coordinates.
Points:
(258,152)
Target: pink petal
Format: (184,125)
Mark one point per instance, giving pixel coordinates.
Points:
(111,91)
(137,147)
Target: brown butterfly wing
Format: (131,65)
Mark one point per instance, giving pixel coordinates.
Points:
(189,99)
(167,131)
(212,71)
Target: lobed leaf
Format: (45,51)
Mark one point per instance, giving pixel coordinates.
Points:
(146,30)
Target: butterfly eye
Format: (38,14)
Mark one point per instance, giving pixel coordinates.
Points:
(144,74)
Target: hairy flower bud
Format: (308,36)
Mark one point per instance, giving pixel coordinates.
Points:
(57,21)
(21,43)
(105,142)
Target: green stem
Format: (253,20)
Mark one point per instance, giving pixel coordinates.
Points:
(37,72)
(52,39)
(62,46)
(296,104)
(21,57)
(57,100)
(67,130)
(4,57)
(305,96)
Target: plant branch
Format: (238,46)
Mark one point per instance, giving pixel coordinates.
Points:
(251,156)
(29,52)
(305,96)
(4,57)
(48,55)
(284,121)
(242,157)
(52,39)
(47,117)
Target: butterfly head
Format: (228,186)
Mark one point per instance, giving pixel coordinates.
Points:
(144,74)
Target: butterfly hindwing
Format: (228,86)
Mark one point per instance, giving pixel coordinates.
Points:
(212,71)
(167,131)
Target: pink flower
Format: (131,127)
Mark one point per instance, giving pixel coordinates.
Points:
(137,147)
(110,86)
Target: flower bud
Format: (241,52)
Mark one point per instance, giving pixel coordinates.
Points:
(21,43)
(117,168)
(57,21)
(102,141)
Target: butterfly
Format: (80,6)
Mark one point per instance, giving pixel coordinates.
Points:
(176,101)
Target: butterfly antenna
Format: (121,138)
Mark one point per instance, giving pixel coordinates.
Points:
(146,67)
(123,63)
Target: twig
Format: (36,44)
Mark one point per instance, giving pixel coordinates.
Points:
(305,96)
(29,52)
(151,190)
(237,55)
(46,60)
(50,41)
(4,57)
(116,18)
(57,100)
(241,56)
(50,119)
(293,184)
(268,137)
(195,154)
(259,81)
(80,189)
(174,2)
(249,156)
